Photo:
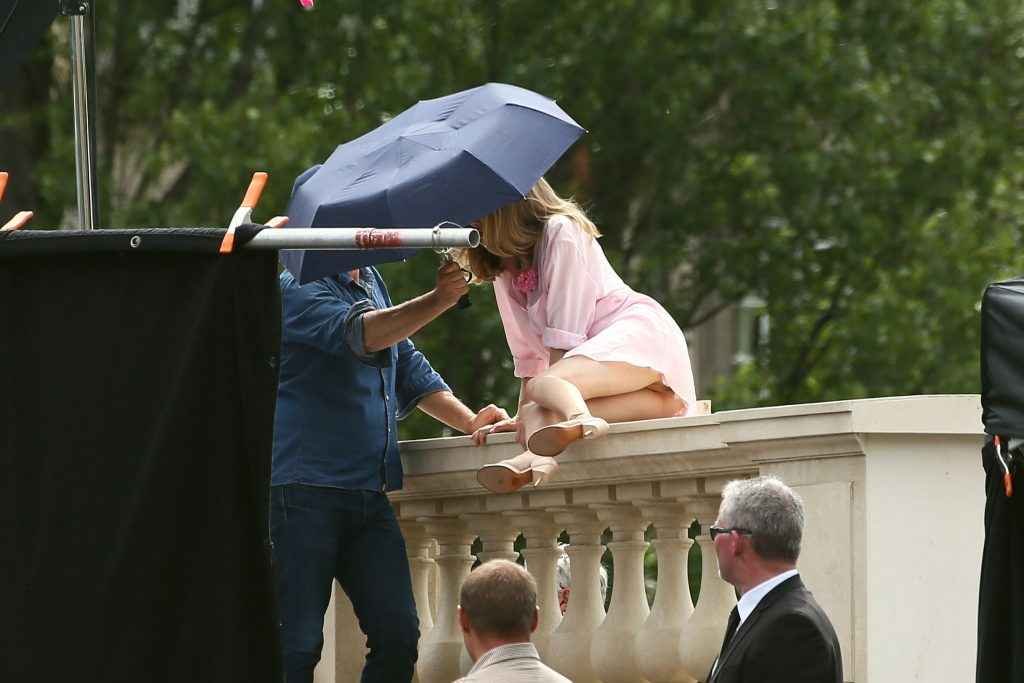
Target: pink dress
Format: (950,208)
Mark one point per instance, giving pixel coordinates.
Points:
(582,305)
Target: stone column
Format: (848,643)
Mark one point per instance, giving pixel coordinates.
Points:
(421,565)
(704,630)
(441,648)
(541,553)
(344,651)
(612,650)
(569,645)
(497,534)
(657,645)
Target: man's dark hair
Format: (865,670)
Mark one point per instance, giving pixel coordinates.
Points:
(499,598)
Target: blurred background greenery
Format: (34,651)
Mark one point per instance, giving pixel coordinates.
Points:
(836,179)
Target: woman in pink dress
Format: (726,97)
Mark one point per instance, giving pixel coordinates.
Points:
(589,349)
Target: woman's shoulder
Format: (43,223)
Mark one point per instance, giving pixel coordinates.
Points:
(560,227)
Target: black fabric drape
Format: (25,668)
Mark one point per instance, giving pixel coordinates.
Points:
(136,415)
(1001,593)
(1002,357)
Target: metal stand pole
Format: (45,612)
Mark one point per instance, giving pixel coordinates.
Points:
(365,238)
(81,36)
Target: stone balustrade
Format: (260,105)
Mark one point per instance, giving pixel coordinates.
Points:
(894,495)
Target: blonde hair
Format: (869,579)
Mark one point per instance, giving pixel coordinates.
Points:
(514,230)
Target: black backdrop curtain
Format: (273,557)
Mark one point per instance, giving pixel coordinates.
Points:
(1000,656)
(136,412)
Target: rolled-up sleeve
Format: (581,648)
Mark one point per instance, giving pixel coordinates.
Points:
(572,291)
(529,356)
(414,378)
(317,317)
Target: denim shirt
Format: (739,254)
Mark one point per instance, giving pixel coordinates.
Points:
(337,404)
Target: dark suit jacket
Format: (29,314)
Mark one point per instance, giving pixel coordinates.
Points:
(788,638)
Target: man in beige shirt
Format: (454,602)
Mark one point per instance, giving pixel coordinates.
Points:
(498,613)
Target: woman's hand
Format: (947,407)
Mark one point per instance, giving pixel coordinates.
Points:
(509,424)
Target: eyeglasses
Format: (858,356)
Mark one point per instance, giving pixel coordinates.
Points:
(715,530)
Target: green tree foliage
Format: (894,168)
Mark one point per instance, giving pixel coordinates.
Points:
(856,164)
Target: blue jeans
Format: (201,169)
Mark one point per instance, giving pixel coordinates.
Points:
(321,534)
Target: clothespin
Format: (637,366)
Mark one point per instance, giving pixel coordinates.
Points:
(1007,476)
(243,214)
(3,184)
(17,222)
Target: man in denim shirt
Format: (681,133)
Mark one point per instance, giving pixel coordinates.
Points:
(348,373)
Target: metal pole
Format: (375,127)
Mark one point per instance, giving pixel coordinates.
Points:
(364,238)
(81,35)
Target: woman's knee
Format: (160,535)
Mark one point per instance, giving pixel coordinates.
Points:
(671,403)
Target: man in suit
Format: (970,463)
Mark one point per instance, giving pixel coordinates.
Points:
(777,632)
(497,614)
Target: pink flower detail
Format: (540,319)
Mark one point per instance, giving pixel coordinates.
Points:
(525,281)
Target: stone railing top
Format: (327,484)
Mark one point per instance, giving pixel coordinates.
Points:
(681,457)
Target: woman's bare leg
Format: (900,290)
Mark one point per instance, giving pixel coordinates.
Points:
(573,386)
(638,405)
(567,385)
(646,404)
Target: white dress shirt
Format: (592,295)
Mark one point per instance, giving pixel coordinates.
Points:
(512,663)
(752,597)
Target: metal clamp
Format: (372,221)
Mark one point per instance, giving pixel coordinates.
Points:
(74,8)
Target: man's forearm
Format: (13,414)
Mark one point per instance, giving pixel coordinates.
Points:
(445,407)
(388,326)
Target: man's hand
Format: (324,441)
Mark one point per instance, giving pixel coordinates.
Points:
(488,415)
(508,424)
(485,421)
(451,284)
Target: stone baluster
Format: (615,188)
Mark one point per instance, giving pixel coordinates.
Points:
(344,651)
(657,645)
(498,537)
(541,553)
(434,580)
(441,648)
(420,546)
(612,650)
(569,645)
(704,630)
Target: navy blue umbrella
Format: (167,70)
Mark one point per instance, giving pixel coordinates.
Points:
(455,158)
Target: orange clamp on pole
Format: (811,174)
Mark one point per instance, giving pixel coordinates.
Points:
(17,222)
(256,185)
(1007,476)
(3,183)
(243,214)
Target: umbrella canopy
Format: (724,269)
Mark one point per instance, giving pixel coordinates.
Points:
(455,158)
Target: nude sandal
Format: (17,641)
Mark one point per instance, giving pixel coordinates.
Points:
(513,474)
(553,439)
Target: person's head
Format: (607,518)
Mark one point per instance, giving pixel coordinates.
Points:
(497,605)
(563,575)
(511,232)
(763,522)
